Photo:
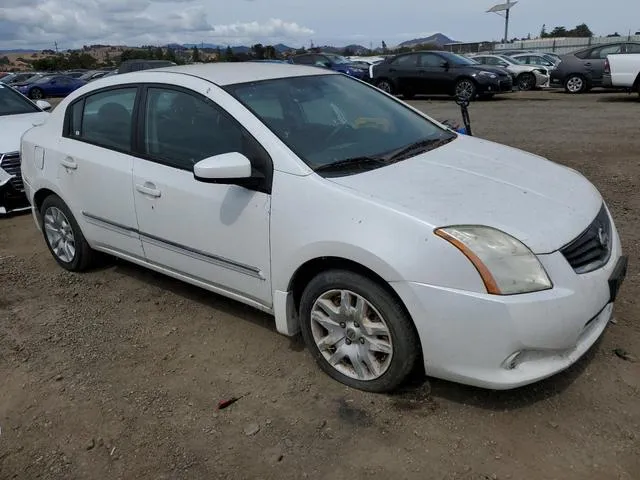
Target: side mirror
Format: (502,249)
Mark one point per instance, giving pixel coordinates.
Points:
(43,105)
(445,65)
(227,168)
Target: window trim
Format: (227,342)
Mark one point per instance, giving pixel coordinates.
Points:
(264,185)
(68,118)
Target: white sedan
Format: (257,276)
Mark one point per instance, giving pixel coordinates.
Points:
(525,77)
(17,114)
(383,236)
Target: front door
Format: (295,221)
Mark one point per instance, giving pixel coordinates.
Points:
(216,235)
(94,168)
(434,75)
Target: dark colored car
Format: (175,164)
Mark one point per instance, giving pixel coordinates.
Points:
(19,77)
(136,65)
(583,70)
(50,86)
(332,61)
(436,72)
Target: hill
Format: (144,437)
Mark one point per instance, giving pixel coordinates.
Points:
(439,39)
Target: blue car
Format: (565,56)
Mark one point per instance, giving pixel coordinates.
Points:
(49,86)
(334,62)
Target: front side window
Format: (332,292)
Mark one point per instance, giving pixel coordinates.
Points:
(13,103)
(632,48)
(327,119)
(104,118)
(406,61)
(181,128)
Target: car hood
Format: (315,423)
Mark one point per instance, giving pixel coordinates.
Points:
(13,126)
(473,181)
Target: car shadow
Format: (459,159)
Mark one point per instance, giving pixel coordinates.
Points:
(496,400)
(191,292)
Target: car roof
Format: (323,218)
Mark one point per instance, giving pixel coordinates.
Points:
(228,73)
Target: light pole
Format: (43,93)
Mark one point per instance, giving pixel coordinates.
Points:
(506,8)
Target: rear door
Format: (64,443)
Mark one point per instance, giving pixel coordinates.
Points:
(403,70)
(594,62)
(433,76)
(94,166)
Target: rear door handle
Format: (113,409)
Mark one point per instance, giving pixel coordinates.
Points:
(69,163)
(148,189)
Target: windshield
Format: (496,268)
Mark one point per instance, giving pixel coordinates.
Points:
(326,119)
(456,59)
(510,60)
(13,103)
(338,59)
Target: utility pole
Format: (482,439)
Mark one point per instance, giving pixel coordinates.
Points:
(56,44)
(506,8)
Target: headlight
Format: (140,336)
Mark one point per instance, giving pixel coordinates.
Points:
(505,264)
(485,74)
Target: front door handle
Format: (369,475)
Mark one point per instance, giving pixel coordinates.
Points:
(148,189)
(69,163)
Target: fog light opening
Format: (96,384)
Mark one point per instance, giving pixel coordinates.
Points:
(512,361)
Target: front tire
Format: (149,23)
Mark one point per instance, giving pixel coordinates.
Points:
(465,88)
(575,84)
(358,333)
(64,237)
(526,81)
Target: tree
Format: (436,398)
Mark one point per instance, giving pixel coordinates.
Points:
(218,54)
(158,54)
(5,61)
(543,31)
(195,55)
(301,51)
(558,32)
(258,51)
(582,31)
(616,34)
(229,56)
(270,52)
(384,46)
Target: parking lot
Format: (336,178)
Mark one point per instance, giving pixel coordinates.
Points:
(117,373)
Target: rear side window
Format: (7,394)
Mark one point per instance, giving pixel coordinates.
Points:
(104,118)
(633,48)
(602,52)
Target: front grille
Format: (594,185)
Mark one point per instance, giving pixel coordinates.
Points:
(592,249)
(10,163)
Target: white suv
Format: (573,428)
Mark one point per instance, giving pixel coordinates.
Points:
(382,235)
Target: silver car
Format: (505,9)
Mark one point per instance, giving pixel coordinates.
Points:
(526,77)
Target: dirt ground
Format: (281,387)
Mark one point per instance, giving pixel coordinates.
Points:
(116,373)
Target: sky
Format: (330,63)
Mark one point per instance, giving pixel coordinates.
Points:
(74,23)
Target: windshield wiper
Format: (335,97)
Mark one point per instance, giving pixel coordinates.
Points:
(417,147)
(351,163)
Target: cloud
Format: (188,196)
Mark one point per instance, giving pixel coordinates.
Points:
(73,23)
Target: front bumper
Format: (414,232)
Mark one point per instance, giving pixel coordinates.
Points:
(12,199)
(497,85)
(542,80)
(504,342)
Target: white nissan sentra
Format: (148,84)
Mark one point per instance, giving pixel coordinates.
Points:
(384,237)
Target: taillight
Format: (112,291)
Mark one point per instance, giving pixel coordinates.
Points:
(607,67)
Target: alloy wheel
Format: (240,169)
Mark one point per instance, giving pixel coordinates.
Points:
(351,335)
(575,84)
(59,234)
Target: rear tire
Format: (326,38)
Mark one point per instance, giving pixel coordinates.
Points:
(36,94)
(64,237)
(358,333)
(575,83)
(385,85)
